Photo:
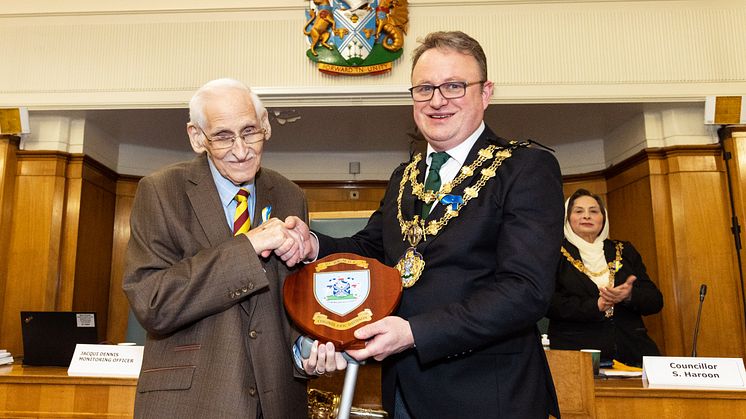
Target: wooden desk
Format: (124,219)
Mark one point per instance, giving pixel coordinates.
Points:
(48,392)
(627,398)
(572,373)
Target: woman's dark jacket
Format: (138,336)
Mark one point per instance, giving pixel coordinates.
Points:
(576,323)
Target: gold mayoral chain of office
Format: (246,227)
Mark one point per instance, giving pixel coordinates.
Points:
(411,264)
(611,267)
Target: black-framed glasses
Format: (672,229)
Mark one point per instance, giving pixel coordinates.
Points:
(249,136)
(449,90)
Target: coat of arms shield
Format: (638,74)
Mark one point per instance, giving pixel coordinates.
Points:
(355,36)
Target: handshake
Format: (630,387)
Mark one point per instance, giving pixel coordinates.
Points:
(291,240)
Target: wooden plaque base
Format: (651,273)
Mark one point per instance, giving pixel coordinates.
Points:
(330,298)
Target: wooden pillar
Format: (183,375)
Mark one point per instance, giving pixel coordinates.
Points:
(8,162)
(118,304)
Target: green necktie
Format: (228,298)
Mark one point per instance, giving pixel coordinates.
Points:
(432,183)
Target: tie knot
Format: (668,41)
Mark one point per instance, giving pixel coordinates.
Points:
(438,159)
(242,195)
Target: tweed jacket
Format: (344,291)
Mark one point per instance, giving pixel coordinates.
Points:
(219,341)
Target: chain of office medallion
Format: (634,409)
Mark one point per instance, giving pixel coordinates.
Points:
(471,192)
(610,267)
(418,189)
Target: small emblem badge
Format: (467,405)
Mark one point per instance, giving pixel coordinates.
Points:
(341,292)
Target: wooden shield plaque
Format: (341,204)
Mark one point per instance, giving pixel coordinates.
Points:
(330,298)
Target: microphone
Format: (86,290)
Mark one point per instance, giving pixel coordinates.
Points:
(702,293)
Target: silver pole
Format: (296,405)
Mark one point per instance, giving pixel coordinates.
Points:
(348,389)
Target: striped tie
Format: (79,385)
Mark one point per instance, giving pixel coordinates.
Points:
(241,221)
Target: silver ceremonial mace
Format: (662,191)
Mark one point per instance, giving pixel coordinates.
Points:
(348,389)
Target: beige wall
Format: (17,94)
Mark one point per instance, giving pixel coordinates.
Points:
(87,54)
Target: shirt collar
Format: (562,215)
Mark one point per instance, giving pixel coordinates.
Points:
(226,189)
(461,151)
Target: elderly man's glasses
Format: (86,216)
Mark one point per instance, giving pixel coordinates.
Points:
(250,136)
(449,90)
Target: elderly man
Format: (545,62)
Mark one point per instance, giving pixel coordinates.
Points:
(211,241)
(474,229)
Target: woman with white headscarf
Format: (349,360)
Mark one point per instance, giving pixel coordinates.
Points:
(602,288)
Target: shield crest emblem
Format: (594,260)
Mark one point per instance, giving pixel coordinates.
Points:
(356,28)
(341,292)
(355,37)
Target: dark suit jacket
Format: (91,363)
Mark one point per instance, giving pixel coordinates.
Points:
(576,323)
(488,278)
(219,342)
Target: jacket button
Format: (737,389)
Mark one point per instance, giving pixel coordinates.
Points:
(252,391)
(251,285)
(245,289)
(232,294)
(253,334)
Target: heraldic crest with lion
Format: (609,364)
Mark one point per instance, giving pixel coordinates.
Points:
(355,37)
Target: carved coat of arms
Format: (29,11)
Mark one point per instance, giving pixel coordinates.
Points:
(355,37)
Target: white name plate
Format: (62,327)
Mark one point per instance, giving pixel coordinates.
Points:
(681,372)
(106,361)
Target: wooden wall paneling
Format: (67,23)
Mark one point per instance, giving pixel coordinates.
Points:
(8,167)
(118,304)
(686,200)
(33,261)
(594,182)
(94,240)
(690,223)
(705,254)
(630,212)
(343,196)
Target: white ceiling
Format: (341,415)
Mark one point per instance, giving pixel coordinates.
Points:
(374,128)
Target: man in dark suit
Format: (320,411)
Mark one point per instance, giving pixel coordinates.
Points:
(479,270)
(204,273)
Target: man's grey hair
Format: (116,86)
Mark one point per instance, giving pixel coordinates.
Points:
(197,103)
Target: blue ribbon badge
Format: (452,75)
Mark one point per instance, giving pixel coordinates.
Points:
(452,200)
(266,213)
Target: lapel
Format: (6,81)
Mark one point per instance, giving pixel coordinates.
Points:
(264,189)
(610,255)
(411,205)
(205,201)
